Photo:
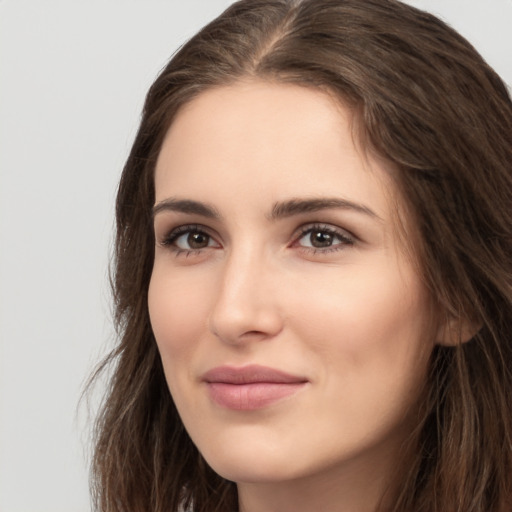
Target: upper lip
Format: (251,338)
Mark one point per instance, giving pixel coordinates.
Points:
(250,374)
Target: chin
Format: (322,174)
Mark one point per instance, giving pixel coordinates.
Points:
(253,463)
(252,472)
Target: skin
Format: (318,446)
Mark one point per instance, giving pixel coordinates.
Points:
(350,316)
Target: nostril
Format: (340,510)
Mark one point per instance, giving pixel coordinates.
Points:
(254,335)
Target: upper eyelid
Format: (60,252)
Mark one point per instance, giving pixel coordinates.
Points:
(177,231)
(326,226)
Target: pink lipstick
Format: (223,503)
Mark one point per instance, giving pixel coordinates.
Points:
(250,387)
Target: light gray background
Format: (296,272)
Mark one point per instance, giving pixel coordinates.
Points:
(73,76)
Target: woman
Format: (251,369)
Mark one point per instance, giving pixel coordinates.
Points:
(313,280)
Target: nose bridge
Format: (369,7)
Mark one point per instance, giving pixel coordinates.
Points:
(245,303)
(241,270)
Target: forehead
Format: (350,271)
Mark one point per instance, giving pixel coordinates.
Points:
(266,142)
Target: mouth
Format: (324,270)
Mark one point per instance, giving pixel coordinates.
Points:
(250,387)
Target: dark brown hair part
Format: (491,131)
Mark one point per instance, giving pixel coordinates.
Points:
(425,101)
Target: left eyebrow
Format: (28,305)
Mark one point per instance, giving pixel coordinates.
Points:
(298,206)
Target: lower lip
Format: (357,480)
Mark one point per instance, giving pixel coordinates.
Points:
(247,397)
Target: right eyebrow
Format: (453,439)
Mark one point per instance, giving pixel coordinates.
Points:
(186,206)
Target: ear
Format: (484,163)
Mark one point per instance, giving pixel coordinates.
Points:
(455,331)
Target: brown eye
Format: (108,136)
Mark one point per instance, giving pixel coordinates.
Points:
(324,237)
(193,240)
(198,240)
(320,239)
(187,239)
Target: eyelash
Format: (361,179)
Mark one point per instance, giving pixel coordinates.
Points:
(176,233)
(345,238)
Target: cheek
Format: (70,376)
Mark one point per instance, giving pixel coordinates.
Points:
(177,317)
(365,323)
(178,321)
(369,342)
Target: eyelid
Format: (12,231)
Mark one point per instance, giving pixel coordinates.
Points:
(174,233)
(344,235)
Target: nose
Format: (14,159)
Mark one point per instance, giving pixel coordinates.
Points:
(246,304)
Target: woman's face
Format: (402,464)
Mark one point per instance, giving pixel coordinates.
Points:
(293,329)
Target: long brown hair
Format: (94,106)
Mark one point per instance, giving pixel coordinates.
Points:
(424,100)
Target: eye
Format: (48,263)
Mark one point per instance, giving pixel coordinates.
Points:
(193,240)
(189,239)
(323,238)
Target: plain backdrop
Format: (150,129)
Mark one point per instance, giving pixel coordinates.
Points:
(73,76)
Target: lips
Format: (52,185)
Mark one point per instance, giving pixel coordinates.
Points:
(250,387)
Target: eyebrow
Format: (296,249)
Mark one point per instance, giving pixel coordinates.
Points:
(280,210)
(298,206)
(186,206)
